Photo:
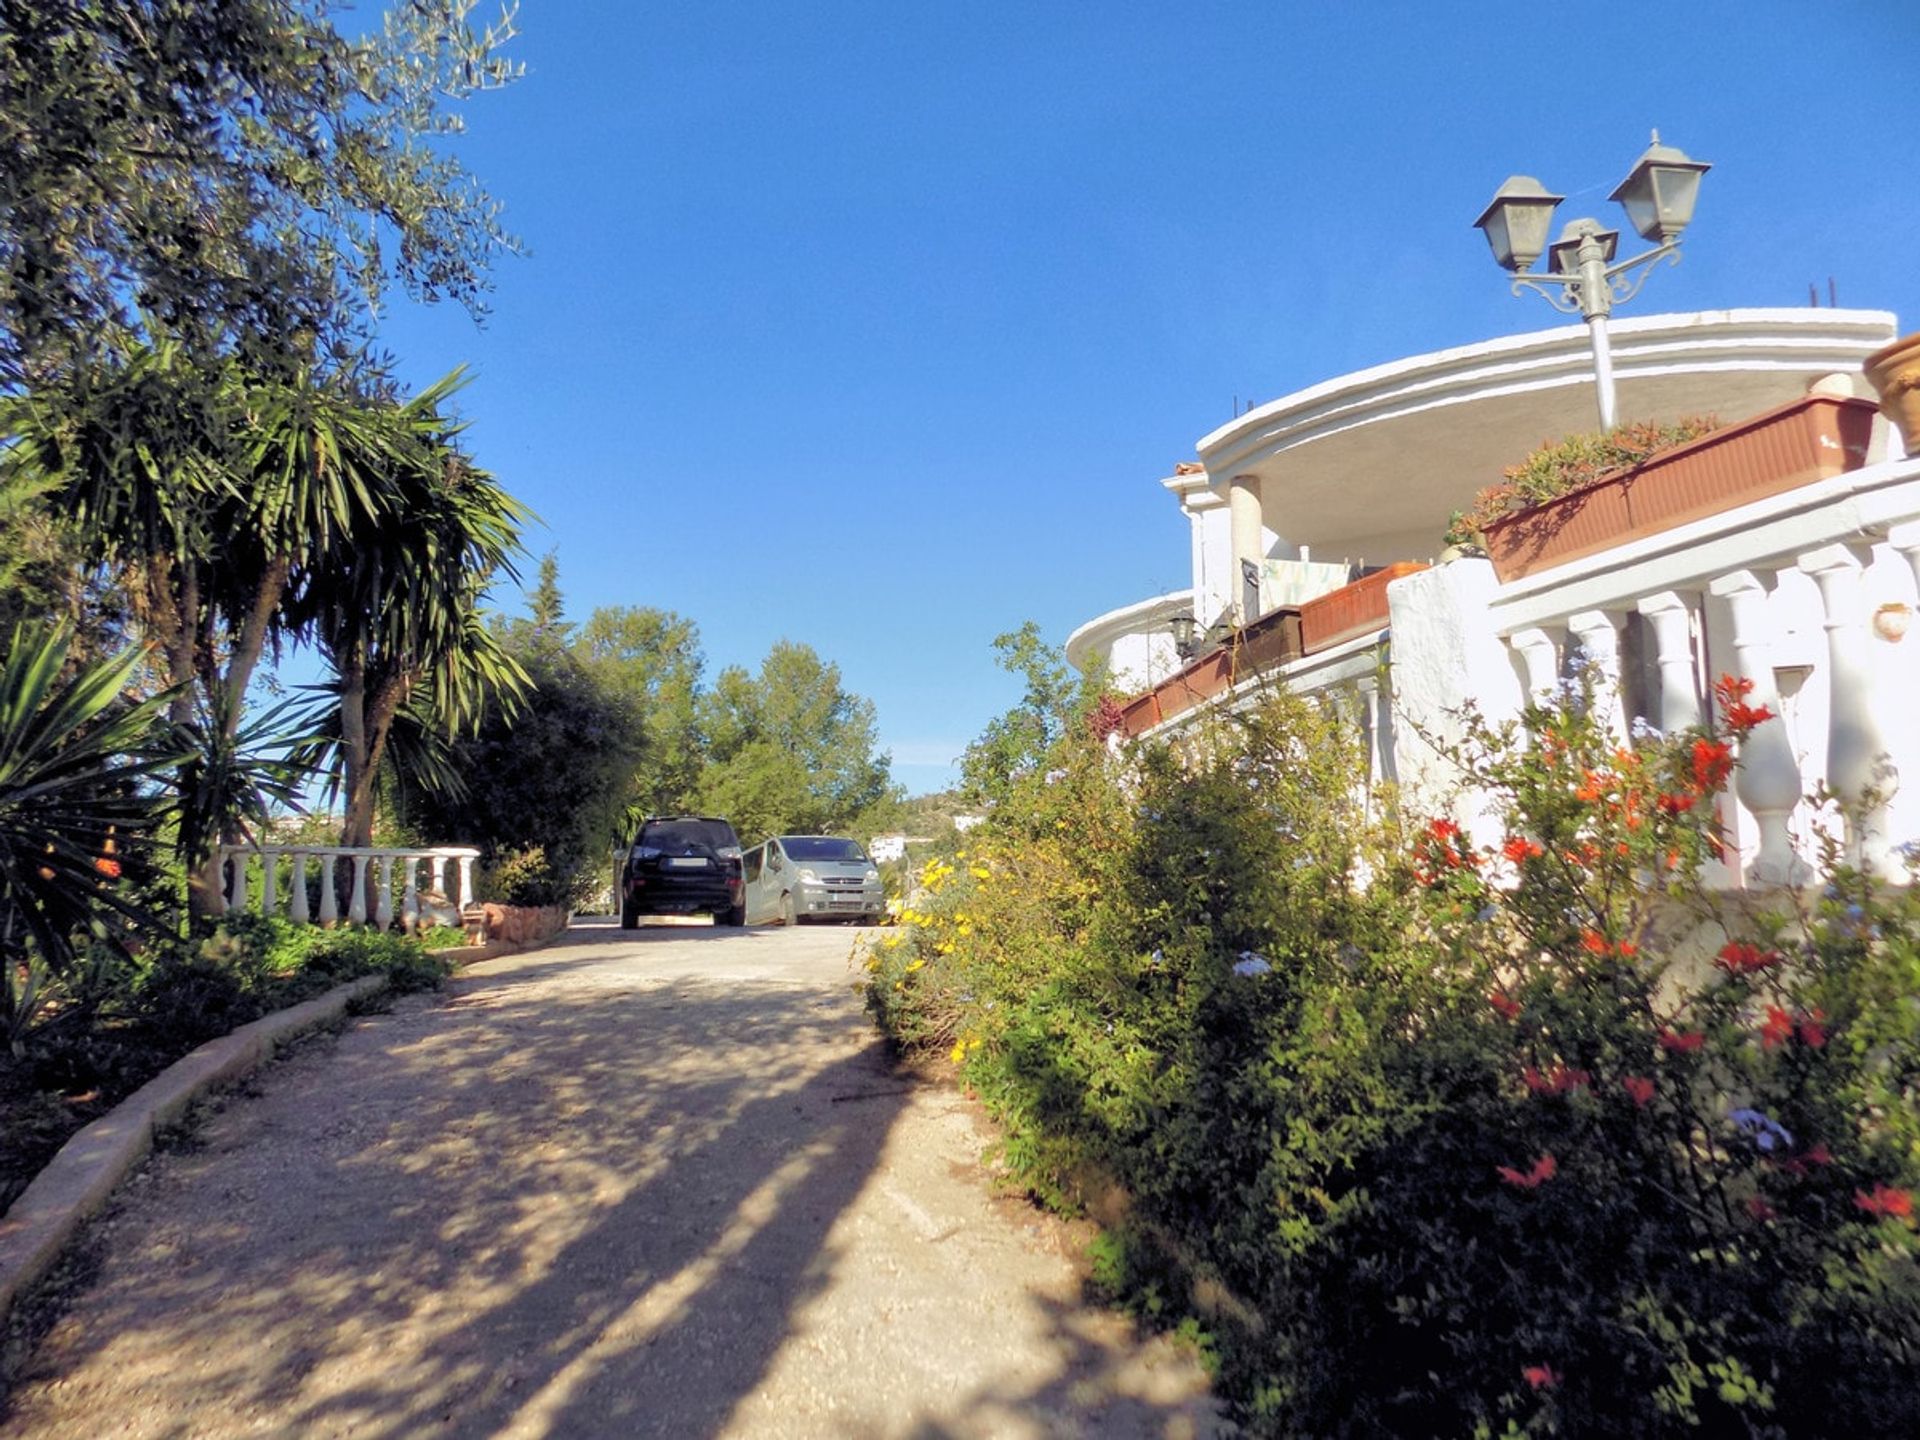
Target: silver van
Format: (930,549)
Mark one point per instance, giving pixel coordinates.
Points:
(791,878)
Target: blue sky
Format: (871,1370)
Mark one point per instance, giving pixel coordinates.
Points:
(874,326)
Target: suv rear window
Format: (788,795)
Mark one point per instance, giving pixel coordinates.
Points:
(821,847)
(676,834)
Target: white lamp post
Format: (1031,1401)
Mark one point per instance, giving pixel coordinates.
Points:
(1583,278)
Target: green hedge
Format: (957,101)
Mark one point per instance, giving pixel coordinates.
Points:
(1526,1135)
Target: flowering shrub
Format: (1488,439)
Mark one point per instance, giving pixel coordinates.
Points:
(1530,1135)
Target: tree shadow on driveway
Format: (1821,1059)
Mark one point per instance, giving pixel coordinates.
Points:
(573,1200)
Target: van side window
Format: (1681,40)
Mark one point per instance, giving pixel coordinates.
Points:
(750,865)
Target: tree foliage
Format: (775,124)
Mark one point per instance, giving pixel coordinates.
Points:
(242,171)
(789,749)
(1017,743)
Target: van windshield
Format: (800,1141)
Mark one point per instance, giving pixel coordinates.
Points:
(821,847)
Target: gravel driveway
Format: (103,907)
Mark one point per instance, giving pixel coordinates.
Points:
(640,1183)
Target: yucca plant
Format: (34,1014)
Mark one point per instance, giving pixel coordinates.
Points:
(76,768)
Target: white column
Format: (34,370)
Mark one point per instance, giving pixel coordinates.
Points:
(329,895)
(383,893)
(410,902)
(297,907)
(1768,781)
(237,886)
(357,902)
(1244,519)
(1598,633)
(1541,659)
(269,882)
(437,874)
(1859,770)
(1672,621)
(466,881)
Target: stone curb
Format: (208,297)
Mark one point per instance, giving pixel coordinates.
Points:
(78,1180)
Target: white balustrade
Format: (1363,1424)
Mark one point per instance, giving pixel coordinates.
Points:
(381,863)
(1744,592)
(1859,770)
(1768,782)
(1598,635)
(1671,619)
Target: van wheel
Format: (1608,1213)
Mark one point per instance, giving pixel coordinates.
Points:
(732,919)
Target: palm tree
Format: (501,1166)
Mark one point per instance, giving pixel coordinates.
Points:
(396,607)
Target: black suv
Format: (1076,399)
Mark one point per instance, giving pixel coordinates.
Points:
(682,865)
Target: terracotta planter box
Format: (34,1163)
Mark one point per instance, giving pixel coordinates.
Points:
(1813,438)
(1271,641)
(1140,714)
(1352,609)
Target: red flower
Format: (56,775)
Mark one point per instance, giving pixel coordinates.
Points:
(1544,1169)
(1712,764)
(1674,804)
(1593,942)
(1731,694)
(1640,1088)
(1505,1004)
(1739,958)
(1813,1033)
(1777,1027)
(1518,848)
(1557,1081)
(1681,1042)
(1541,1377)
(1589,790)
(1818,1154)
(1761,1210)
(107,866)
(1886,1201)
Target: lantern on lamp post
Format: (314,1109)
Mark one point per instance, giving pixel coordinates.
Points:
(1583,277)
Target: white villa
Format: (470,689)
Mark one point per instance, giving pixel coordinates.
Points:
(1789,558)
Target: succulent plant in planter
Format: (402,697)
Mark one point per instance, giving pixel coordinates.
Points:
(1561,466)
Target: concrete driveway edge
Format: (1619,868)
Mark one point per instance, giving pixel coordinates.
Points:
(42,1220)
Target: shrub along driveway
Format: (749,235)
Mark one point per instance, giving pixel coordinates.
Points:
(647,1183)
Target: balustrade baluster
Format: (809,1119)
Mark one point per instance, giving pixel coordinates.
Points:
(1859,769)
(357,902)
(383,893)
(466,881)
(410,902)
(329,895)
(1541,659)
(269,882)
(1768,782)
(237,881)
(437,875)
(1598,633)
(297,905)
(1672,620)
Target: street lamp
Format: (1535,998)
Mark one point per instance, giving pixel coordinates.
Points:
(1583,278)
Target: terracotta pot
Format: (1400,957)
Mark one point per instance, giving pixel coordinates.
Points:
(1813,438)
(1352,609)
(1894,373)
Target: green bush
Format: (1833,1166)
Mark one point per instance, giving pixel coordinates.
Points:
(523,877)
(1528,1135)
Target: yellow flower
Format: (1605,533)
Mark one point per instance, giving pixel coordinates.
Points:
(980,872)
(913,965)
(959,1051)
